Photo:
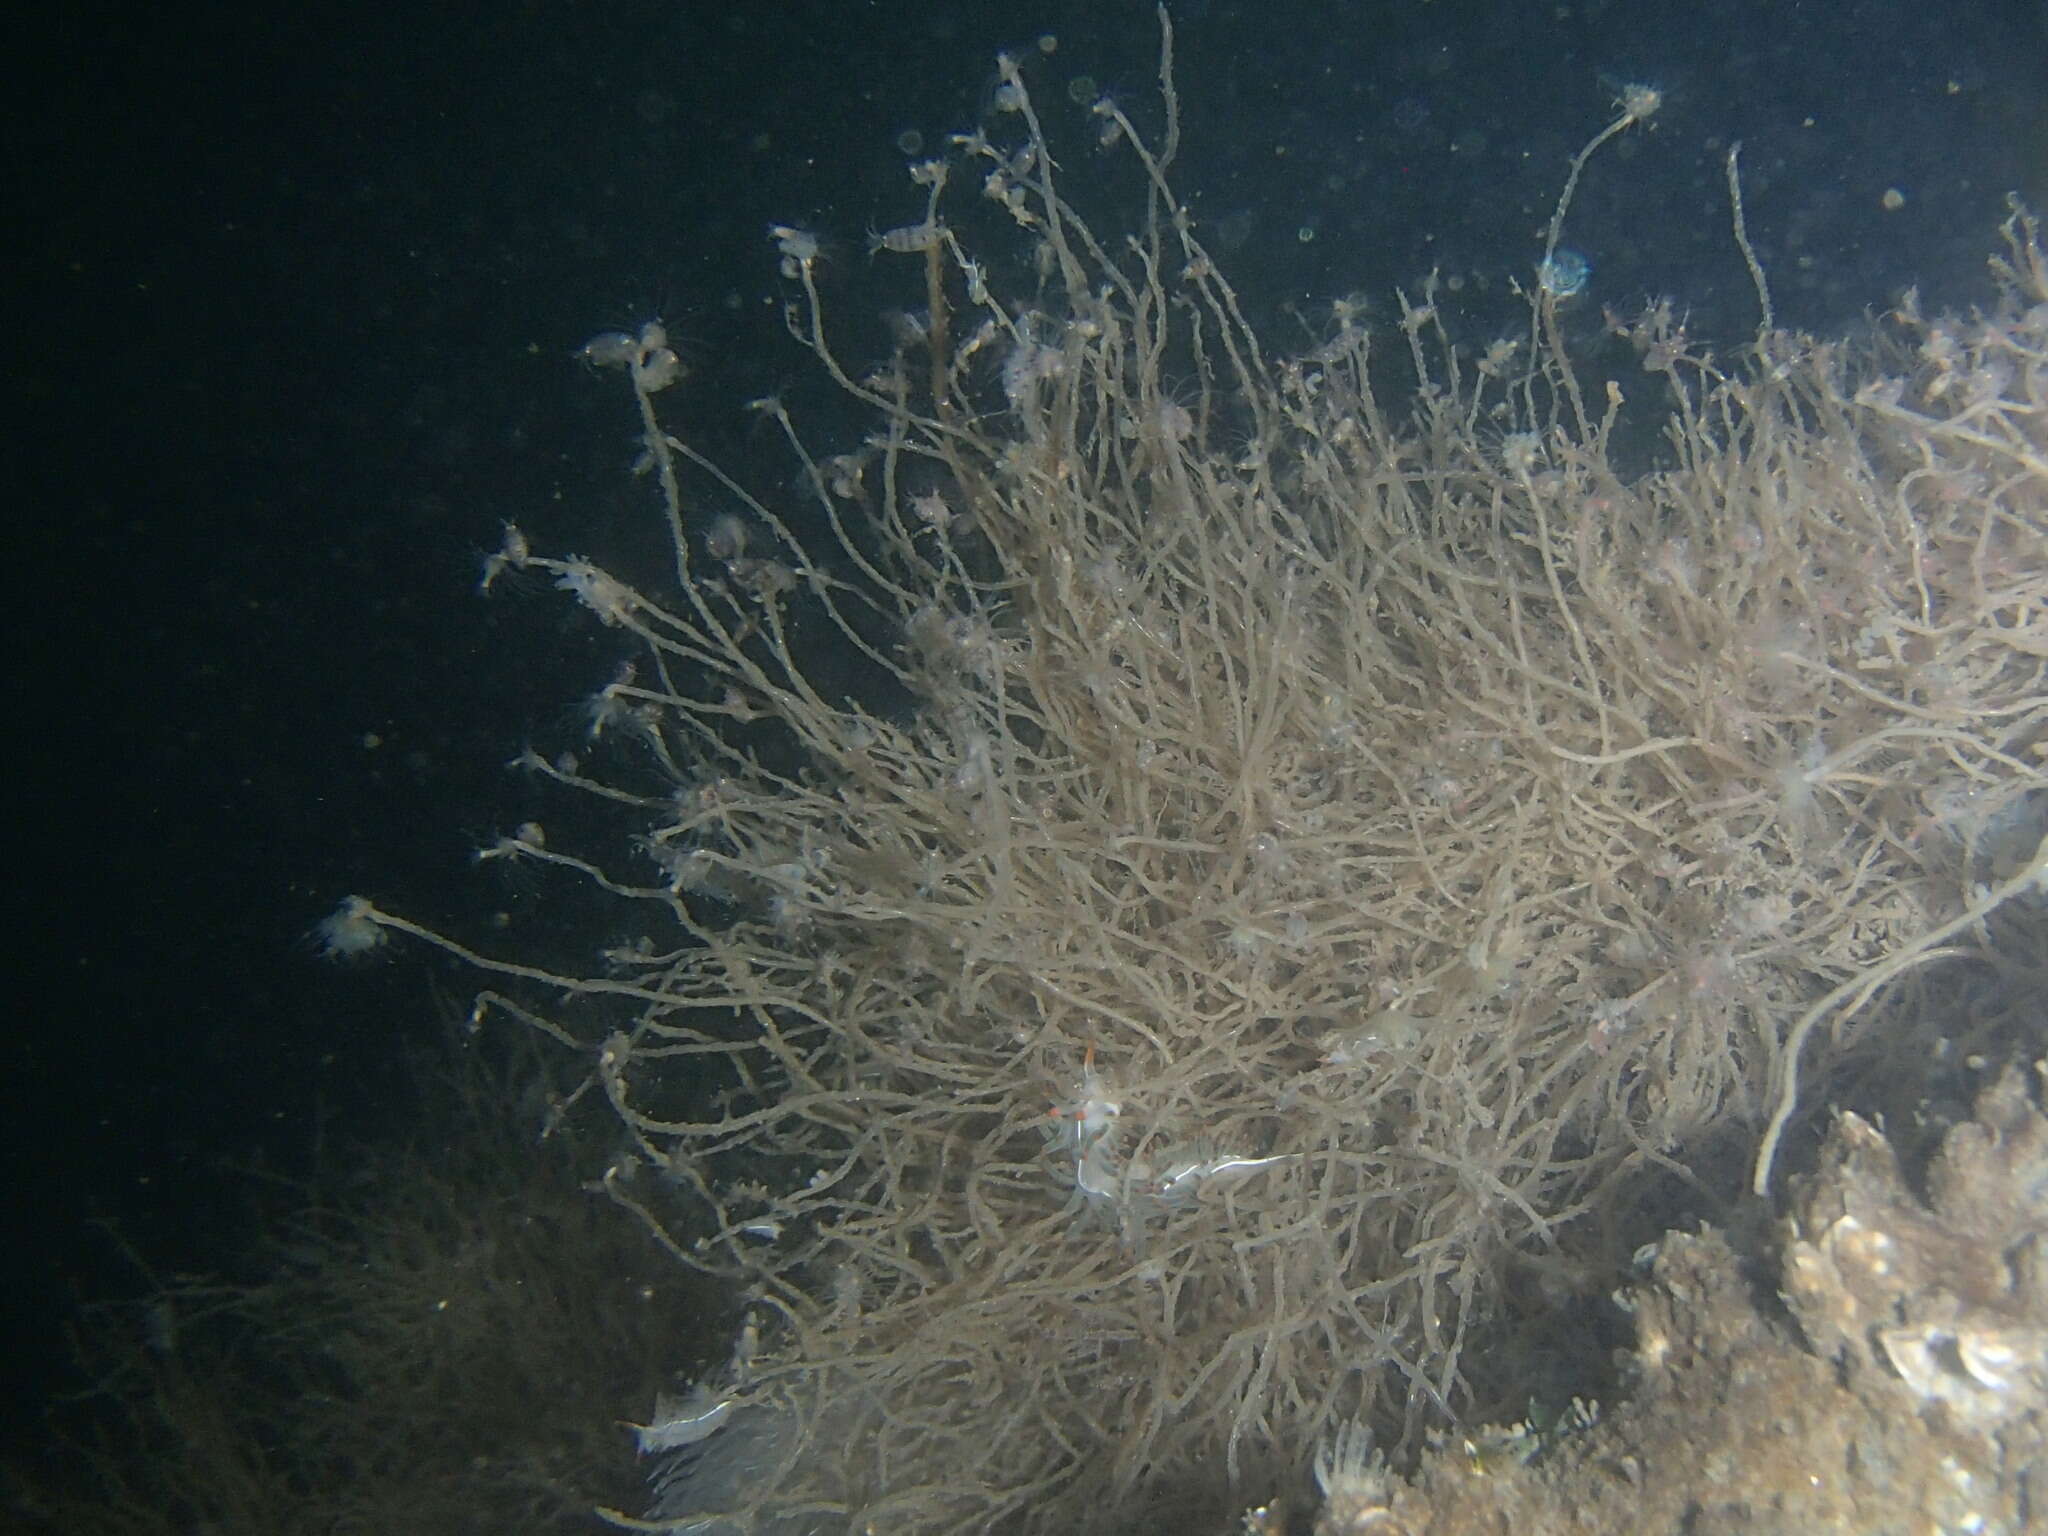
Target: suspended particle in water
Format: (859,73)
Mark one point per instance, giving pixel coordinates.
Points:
(1233,229)
(1563,273)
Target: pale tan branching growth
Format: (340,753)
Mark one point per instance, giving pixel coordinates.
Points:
(1637,104)
(1341,854)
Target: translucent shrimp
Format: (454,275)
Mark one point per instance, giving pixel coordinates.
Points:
(907,238)
(1092,1113)
(1089,1130)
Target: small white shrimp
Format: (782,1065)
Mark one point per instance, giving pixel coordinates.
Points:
(683,1422)
(1093,1112)
(1090,1130)
(906,238)
(1096,1173)
(1181,1179)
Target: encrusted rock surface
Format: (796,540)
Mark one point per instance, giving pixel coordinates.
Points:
(1906,1393)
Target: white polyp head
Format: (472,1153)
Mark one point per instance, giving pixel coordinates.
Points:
(350,932)
(1639,102)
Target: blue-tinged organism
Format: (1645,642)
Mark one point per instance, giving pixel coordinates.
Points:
(1563,273)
